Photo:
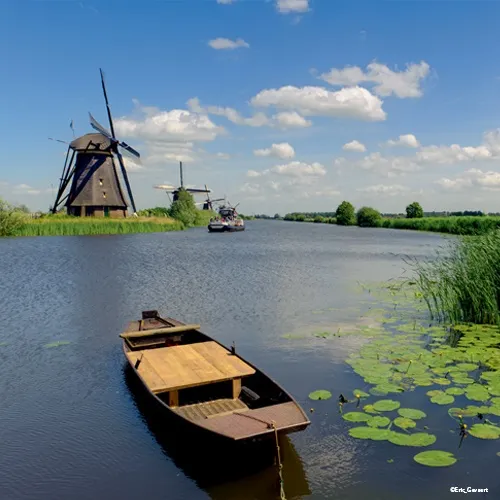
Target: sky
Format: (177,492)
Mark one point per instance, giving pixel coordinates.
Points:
(279,105)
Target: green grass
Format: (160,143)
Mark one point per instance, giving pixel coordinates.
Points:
(452,225)
(73,226)
(463,225)
(463,285)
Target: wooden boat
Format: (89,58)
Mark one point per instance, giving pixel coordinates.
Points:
(203,384)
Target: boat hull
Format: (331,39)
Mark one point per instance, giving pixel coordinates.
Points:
(280,408)
(225,229)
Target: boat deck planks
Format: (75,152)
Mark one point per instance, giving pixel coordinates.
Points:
(211,409)
(147,372)
(241,425)
(183,366)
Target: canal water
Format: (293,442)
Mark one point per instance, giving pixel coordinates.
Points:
(70,427)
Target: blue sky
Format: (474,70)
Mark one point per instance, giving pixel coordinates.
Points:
(282,105)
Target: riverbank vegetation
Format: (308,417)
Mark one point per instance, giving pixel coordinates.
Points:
(457,223)
(414,382)
(182,214)
(463,285)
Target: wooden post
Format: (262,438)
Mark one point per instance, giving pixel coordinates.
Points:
(173,399)
(236,388)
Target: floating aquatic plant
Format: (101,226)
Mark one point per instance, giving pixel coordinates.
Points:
(57,343)
(411,413)
(404,423)
(386,405)
(358,393)
(378,421)
(417,439)
(485,431)
(435,458)
(454,391)
(443,399)
(320,395)
(374,433)
(357,416)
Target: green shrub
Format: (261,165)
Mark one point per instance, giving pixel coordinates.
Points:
(11,219)
(368,217)
(345,214)
(414,211)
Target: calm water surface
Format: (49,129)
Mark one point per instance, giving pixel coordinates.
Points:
(70,426)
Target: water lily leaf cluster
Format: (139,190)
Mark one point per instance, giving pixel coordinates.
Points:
(457,367)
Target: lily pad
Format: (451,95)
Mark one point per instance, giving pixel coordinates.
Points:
(454,391)
(443,399)
(373,433)
(477,392)
(404,423)
(435,458)
(435,392)
(411,413)
(320,395)
(441,381)
(468,367)
(379,421)
(57,344)
(485,431)
(386,405)
(417,439)
(358,393)
(369,409)
(356,416)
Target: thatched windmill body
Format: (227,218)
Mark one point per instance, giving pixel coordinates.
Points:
(91,174)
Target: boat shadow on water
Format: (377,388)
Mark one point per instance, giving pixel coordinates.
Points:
(223,472)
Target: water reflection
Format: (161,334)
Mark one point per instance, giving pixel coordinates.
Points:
(222,474)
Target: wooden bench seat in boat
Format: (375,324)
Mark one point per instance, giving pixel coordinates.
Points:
(211,409)
(169,369)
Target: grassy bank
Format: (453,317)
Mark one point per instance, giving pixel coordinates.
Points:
(465,225)
(73,226)
(16,221)
(463,284)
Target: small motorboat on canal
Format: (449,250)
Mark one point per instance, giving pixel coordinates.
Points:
(227,220)
(201,383)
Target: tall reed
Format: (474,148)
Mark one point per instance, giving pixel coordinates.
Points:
(463,284)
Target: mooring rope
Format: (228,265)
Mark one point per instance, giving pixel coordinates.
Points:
(272,425)
(280,466)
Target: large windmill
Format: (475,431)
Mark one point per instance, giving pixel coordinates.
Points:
(175,190)
(95,188)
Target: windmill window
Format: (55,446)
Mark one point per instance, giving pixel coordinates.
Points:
(100,182)
(104,194)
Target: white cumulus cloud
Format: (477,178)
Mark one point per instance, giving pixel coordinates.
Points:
(288,6)
(427,156)
(352,102)
(474,177)
(390,190)
(402,84)
(354,146)
(284,120)
(406,140)
(227,44)
(281,150)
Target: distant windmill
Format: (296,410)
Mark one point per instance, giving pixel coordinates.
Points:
(175,190)
(95,186)
(207,204)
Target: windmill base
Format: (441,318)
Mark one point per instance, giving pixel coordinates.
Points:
(97,211)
